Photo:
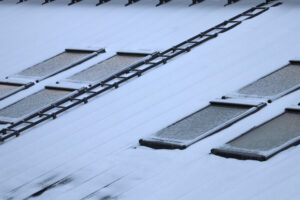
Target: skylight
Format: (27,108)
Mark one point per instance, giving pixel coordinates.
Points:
(205,122)
(262,142)
(107,67)
(7,89)
(33,103)
(55,64)
(275,84)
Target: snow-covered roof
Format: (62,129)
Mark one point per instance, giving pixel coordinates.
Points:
(92,151)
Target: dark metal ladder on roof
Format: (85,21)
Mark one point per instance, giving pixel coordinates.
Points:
(136,70)
(134,1)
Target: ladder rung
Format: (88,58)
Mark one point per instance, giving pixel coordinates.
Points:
(62,107)
(44,114)
(74,99)
(193,42)
(232,21)
(261,8)
(220,28)
(136,70)
(28,122)
(209,35)
(91,92)
(106,84)
(121,77)
(250,15)
(180,49)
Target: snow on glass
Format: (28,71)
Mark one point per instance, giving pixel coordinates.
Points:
(107,67)
(274,83)
(54,64)
(33,103)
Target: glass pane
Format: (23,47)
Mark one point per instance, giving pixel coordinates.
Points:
(33,103)
(54,64)
(274,83)
(201,122)
(6,88)
(107,67)
(272,134)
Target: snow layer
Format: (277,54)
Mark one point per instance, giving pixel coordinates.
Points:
(92,152)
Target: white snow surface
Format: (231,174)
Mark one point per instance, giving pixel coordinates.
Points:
(96,145)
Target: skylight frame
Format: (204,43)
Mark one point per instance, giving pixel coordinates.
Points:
(165,143)
(229,151)
(236,94)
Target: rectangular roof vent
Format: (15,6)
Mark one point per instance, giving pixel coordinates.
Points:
(108,67)
(276,84)
(56,64)
(266,140)
(205,122)
(32,103)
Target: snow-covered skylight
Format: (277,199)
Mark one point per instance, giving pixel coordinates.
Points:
(54,64)
(275,83)
(271,134)
(264,141)
(33,103)
(7,88)
(199,125)
(107,67)
(201,122)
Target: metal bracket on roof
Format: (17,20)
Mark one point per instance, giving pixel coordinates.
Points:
(231,2)
(131,2)
(47,1)
(196,2)
(73,2)
(21,1)
(102,2)
(162,2)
